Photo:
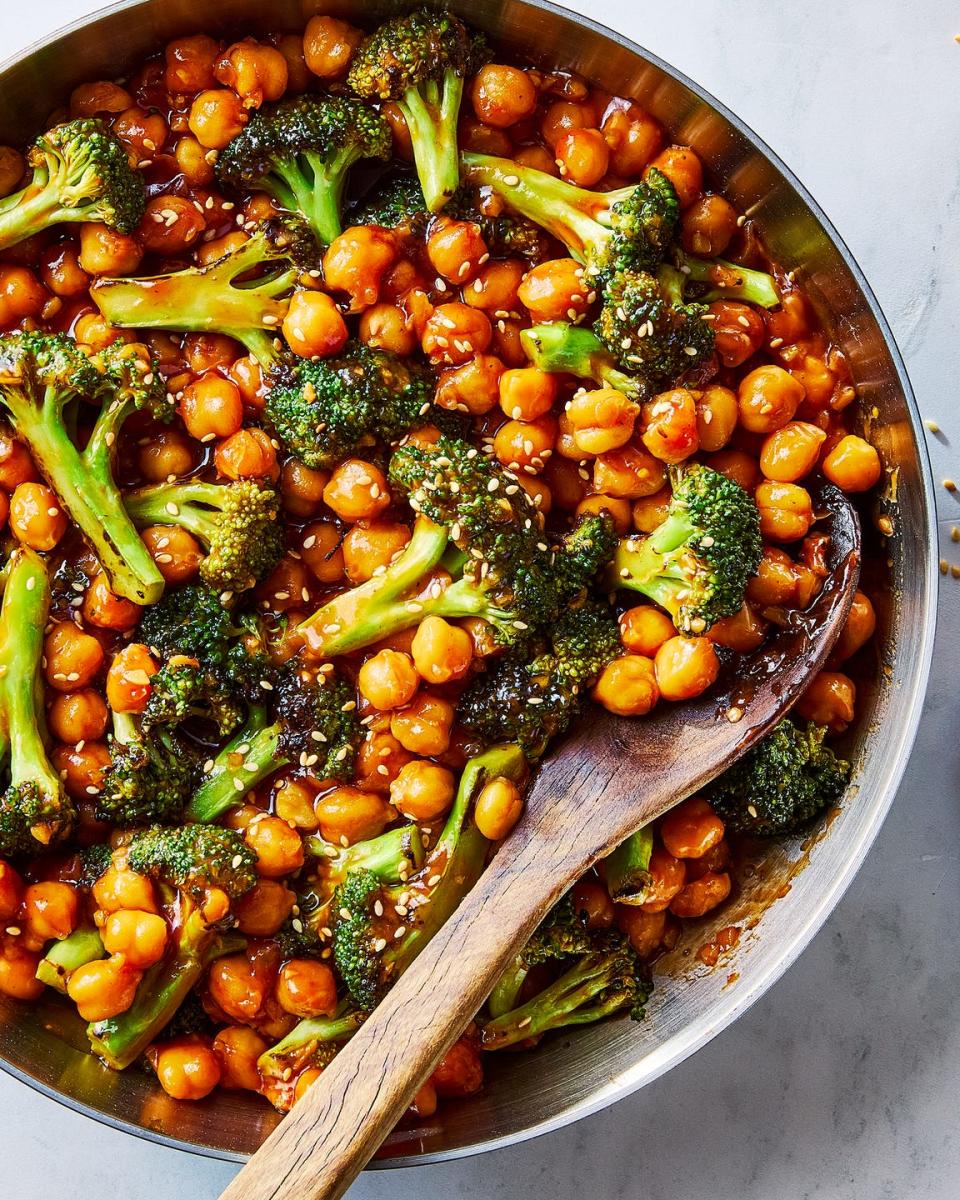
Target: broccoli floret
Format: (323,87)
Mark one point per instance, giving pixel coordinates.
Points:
(397,203)
(219,298)
(184,688)
(150,778)
(506,571)
(35,811)
(236,523)
(93,863)
(194,857)
(782,783)
(80,173)
(190,621)
(300,152)
(531,698)
(323,410)
(696,564)
(628,228)
(606,979)
(317,728)
(420,62)
(313,1042)
(367,952)
(562,934)
(41,375)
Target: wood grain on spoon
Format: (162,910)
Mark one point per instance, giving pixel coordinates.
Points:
(613,776)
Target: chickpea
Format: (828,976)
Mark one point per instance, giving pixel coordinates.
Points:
(16,465)
(562,116)
(617,508)
(454,333)
(347,812)
(738,331)
(859,629)
(278,848)
(187,1069)
(685,667)
(171,225)
(644,930)
(737,465)
(633,136)
(82,769)
(628,473)
(387,327)
(556,291)
(217,116)
(525,445)
(78,716)
(388,680)
(237,1049)
(691,829)
(313,326)
(667,877)
(648,512)
(356,262)
(189,64)
(36,518)
(257,73)
(265,908)
(683,168)
(178,554)
(306,988)
(698,897)
(99,99)
(212,251)
(495,287)
(502,95)
(104,251)
(424,1104)
(167,455)
(829,700)
(12,168)
(328,46)
(106,610)
(498,808)
(768,398)
(708,225)
(293,802)
(141,937)
(483,139)
(322,551)
(583,156)
(204,352)
(357,491)
(93,332)
(527,393)
(790,453)
(128,680)
(424,726)
(601,420)
(670,425)
(592,903)
(21,294)
(786,511)
(104,988)
(370,546)
(423,790)
(743,632)
(460,1071)
(18,971)
(211,408)
(644,629)
(567,487)
(473,387)
(73,659)
(853,464)
(380,760)
(50,910)
(780,582)
(247,454)
(119,888)
(456,249)
(717,414)
(537,157)
(61,272)
(141,132)
(11,892)
(441,652)
(196,168)
(627,686)
(506,342)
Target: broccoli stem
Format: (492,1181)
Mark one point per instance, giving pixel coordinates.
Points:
(63,957)
(627,869)
(573,350)
(312,1030)
(97,510)
(431,112)
(316,192)
(151,506)
(243,763)
(392,856)
(643,564)
(506,990)
(22,214)
(731,281)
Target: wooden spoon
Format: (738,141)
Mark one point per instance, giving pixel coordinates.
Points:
(613,776)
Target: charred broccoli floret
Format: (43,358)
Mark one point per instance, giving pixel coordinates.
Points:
(41,376)
(193,858)
(150,778)
(323,410)
(782,783)
(531,698)
(236,523)
(696,564)
(506,572)
(300,152)
(35,811)
(80,173)
(219,298)
(420,61)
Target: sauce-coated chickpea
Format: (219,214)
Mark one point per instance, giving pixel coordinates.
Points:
(738,331)
(495,287)
(356,262)
(348,812)
(247,454)
(99,98)
(685,667)
(189,64)
(257,73)
(708,225)
(456,249)
(178,554)
(853,464)
(423,790)
(306,988)
(601,420)
(644,930)
(263,909)
(699,896)
(388,680)
(119,888)
(786,511)
(36,518)
(858,630)
(691,829)
(50,910)
(628,473)
(206,351)
(644,629)
(293,802)
(61,272)
(527,393)
(583,156)
(128,679)
(829,700)
(424,725)
(195,166)
(82,769)
(683,168)
(454,333)
(168,453)
(104,988)
(671,425)
(743,632)
(627,686)
(211,408)
(16,465)
(791,453)
(278,848)
(502,95)
(77,716)
(187,1069)
(380,760)
(557,290)
(648,512)
(313,326)
(237,1049)
(322,551)
(667,877)
(170,225)
(387,327)
(370,546)
(768,398)
(737,465)
(525,445)
(104,251)
(717,415)
(328,46)
(18,971)
(460,1071)
(633,136)
(73,658)
(473,387)
(441,651)
(217,116)
(498,808)
(106,610)
(562,116)
(357,491)
(141,937)
(237,987)
(21,294)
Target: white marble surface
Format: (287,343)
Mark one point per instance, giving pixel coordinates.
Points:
(841,1083)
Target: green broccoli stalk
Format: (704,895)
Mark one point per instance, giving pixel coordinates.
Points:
(150,778)
(697,563)
(533,696)
(300,152)
(218,298)
(193,857)
(420,61)
(41,375)
(507,572)
(80,173)
(317,728)
(785,781)
(729,281)
(64,956)
(629,228)
(313,1042)
(325,409)
(627,870)
(236,523)
(35,811)
(373,942)
(609,978)
(562,348)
